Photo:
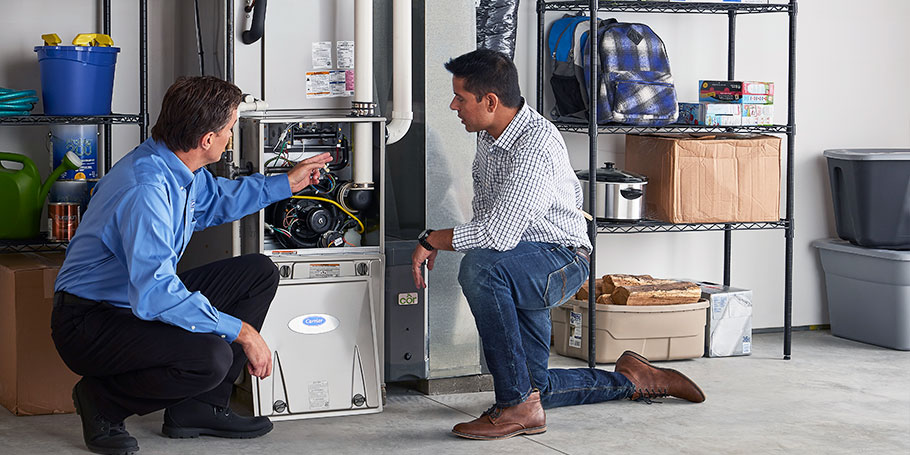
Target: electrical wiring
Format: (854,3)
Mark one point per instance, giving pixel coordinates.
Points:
(315,198)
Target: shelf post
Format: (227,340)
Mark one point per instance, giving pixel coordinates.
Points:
(791,139)
(541,49)
(143,71)
(106,128)
(731,69)
(592,188)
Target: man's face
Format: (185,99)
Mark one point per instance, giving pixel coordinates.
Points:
(473,114)
(220,140)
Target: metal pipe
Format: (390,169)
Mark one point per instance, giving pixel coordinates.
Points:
(229,41)
(363,92)
(402,105)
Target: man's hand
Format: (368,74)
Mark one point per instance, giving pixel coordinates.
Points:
(418,257)
(257,352)
(440,240)
(306,172)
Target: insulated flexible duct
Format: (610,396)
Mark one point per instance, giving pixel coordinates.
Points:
(497,21)
(16,102)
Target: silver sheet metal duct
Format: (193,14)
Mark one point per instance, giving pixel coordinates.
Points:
(497,21)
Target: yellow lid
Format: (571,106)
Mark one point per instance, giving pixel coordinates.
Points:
(92,39)
(51,39)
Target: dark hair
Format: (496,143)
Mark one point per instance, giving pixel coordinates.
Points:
(193,107)
(488,71)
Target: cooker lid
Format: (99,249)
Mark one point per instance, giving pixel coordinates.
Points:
(609,173)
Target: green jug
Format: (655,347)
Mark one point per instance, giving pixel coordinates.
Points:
(22,195)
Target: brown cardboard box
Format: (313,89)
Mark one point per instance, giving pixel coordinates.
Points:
(708,178)
(33,378)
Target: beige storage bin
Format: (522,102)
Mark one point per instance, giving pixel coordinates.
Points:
(658,332)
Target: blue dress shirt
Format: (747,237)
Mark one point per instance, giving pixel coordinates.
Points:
(137,225)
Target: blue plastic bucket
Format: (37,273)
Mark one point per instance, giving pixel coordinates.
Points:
(77,80)
(81,140)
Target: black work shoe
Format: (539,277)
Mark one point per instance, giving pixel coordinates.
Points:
(193,418)
(101,435)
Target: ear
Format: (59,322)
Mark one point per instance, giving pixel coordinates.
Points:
(206,141)
(491,102)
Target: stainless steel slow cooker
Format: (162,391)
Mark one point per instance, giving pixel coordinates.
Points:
(621,194)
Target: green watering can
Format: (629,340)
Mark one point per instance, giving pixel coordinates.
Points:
(22,195)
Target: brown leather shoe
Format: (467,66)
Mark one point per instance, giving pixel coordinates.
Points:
(653,382)
(503,423)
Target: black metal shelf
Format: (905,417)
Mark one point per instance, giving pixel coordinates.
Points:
(592,8)
(71,119)
(32,245)
(631,129)
(607,227)
(645,6)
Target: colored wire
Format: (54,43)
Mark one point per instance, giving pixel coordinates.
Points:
(314,198)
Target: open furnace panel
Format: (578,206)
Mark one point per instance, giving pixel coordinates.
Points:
(333,214)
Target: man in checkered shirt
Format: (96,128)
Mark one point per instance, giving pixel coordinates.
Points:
(525,251)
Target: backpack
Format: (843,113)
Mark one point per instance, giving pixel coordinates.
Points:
(636,87)
(567,79)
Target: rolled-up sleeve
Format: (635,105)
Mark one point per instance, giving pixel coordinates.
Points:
(156,293)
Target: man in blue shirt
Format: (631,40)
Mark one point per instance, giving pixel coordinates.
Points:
(142,336)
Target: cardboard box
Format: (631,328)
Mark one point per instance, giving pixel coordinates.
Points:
(757,114)
(755,92)
(720,91)
(708,178)
(738,92)
(729,324)
(658,332)
(712,114)
(33,378)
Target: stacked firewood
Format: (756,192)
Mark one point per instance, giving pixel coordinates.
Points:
(618,289)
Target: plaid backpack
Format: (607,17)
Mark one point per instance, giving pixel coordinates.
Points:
(636,87)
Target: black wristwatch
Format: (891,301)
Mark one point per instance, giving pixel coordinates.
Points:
(422,239)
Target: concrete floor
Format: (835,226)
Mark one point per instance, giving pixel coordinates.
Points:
(834,396)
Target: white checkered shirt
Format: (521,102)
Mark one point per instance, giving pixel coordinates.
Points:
(524,189)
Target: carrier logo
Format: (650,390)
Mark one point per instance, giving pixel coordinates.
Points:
(407,298)
(312,324)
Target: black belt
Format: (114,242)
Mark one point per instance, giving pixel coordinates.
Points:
(581,251)
(65,298)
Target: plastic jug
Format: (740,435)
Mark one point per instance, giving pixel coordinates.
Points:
(22,194)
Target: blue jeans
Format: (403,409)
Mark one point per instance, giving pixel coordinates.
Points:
(510,294)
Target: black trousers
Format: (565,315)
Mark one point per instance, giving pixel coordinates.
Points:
(132,366)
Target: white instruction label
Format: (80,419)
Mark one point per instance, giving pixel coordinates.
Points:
(574,330)
(318,84)
(322,54)
(325,270)
(319,394)
(345,51)
(329,84)
(747,344)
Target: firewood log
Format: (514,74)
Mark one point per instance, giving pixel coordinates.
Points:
(604,299)
(677,292)
(613,281)
(582,293)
